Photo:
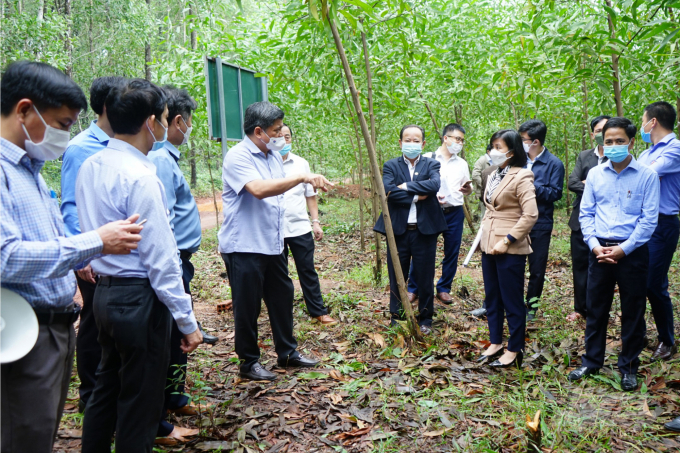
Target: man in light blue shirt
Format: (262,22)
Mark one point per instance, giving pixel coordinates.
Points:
(618,215)
(658,122)
(251,239)
(138,295)
(87,143)
(186,226)
(39,105)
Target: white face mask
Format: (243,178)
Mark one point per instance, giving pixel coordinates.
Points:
(526,147)
(497,157)
(454,148)
(53,144)
(275,143)
(186,134)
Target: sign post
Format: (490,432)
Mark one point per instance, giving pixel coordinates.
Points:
(230,90)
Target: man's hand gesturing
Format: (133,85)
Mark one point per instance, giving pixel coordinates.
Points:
(318,181)
(121,236)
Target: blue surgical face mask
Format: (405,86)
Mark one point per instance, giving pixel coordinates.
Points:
(158,144)
(616,153)
(286,149)
(646,136)
(411,150)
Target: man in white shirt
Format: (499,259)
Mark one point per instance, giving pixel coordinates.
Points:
(137,295)
(298,232)
(455,184)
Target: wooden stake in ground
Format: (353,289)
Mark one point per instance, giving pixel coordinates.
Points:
(534,433)
(391,243)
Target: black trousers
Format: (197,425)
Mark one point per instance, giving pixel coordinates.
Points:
(538,261)
(253,277)
(302,249)
(662,246)
(421,249)
(629,274)
(175,397)
(89,350)
(580,256)
(134,332)
(504,288)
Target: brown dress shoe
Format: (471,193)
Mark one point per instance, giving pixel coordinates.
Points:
(445,298)
(325,320)
(664,352)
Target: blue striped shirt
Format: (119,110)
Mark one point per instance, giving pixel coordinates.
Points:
(620,206)
(36,257)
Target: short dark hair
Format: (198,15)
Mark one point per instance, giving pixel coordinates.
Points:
(179,102)
(262,114)
(595,121)
(129,105)
(453,127)
(408,126)
(46,86)
(664,113)
(488,147)
(620,122)
(289,128)
(100,89)
(535,129)
(513,141)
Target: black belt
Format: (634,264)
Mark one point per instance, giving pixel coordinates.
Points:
(123,281)
(610,242)
(449,209)
(185,255)
(412,226)
(62,315)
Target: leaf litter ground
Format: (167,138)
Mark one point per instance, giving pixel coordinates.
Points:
(376,391)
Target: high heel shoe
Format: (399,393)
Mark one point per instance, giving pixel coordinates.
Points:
(517,361)
(496,354)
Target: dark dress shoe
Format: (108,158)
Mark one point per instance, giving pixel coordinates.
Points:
(445,298)
(426,330)
(478,312)
(517,362)
(207,338)
(673,425)
(299,361)
(581,372)
(629,382)
(495,355)
(664,352)
(531,315)
(257,373)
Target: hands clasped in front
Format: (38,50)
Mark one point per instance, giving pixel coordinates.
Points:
(609,255)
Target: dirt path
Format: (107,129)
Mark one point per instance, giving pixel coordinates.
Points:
(206,209)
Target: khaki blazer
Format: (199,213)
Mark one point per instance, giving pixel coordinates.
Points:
(512,211)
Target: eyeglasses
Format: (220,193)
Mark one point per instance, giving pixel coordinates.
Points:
(524,140)
(458,140)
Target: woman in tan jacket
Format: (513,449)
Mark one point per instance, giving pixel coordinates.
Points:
(511,212)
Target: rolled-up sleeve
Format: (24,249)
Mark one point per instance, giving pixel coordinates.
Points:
(158,251)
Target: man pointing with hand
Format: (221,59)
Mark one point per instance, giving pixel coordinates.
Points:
(251,239)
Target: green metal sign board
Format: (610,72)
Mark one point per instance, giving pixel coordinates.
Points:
(231,89)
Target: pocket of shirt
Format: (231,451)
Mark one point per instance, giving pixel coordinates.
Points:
(633,205)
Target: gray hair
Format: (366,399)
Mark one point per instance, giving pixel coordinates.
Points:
(262,114)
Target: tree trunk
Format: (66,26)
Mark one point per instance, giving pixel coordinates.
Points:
(147,50)
(377,271)
(41,10)
(615,66)
(192,150)
(358,159)
(68,44)
(586,122)
(391,243)
(514,115)
(566,163)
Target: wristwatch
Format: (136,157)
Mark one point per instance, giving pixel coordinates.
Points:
(506,241)
(316,221)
